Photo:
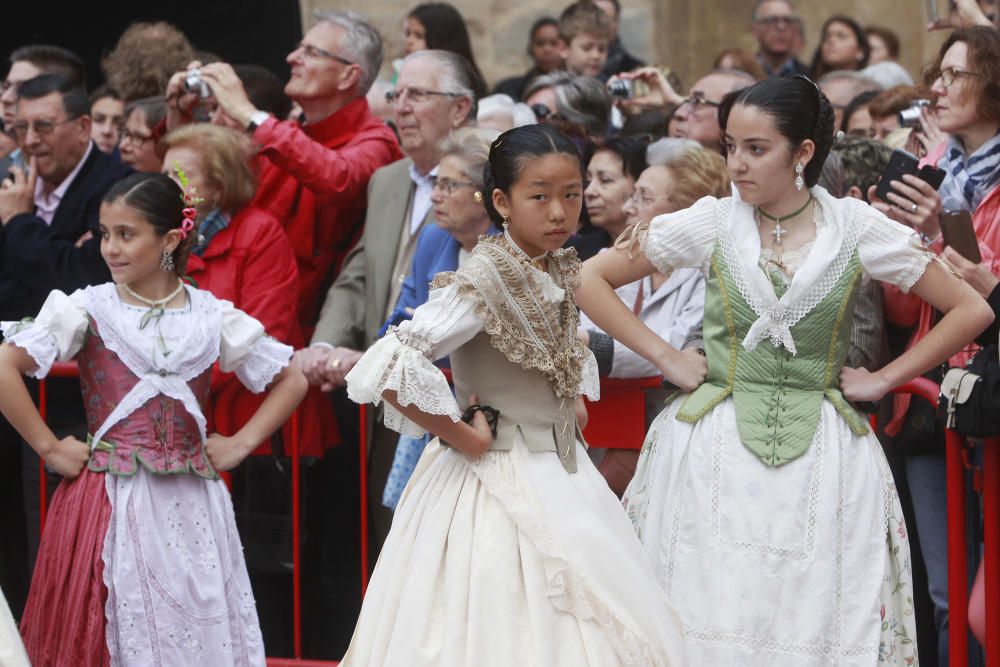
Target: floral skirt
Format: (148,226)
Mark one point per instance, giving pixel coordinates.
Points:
(802,564)
(145,570)
(509,560)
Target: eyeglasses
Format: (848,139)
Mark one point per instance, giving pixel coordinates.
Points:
(415,95)
(315,53)
(699,100)
(42,127)
(127,135)
(776,21)
(949,74)
(449,186)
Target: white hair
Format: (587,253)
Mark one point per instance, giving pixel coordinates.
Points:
(455,75)
(361,43)
(664,151)
(887,74)
(504,105)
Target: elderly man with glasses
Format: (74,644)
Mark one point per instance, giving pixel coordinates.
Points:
(777,28)
(435,93)
(697,117)
(314,169)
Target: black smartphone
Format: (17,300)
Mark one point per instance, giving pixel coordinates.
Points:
(902,163)
(957,232)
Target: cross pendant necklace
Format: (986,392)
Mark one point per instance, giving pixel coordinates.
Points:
(780,231)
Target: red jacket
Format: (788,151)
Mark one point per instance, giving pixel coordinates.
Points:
(251,263)
(314,180)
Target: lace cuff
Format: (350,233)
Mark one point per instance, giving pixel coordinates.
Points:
(391,364)
(36,340)
(266,359)
(590,382)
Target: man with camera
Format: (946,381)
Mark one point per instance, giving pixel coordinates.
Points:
(314,170)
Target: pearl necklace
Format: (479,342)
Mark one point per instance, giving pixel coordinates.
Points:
(155,303)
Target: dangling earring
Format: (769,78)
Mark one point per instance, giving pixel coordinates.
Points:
(167,261)
(799,183)
(506,222)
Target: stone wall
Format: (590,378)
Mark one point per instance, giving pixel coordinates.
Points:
(685,34)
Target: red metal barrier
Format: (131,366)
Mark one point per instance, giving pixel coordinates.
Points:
(612,424)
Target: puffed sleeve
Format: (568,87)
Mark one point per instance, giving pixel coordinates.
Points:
(57,333)
(685,238)
(891,252)
(247,350)
(401,360)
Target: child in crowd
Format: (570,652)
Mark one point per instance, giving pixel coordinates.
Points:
(507,545)
(140,562)
(586,33)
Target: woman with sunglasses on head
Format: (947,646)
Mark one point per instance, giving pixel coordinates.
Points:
(762,497)
(965,80)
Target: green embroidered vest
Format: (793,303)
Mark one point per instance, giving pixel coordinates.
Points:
(777,395)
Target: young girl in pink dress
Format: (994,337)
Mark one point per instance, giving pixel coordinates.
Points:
(140,562)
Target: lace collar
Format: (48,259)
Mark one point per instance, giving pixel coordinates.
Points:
(527,321)
(836,240)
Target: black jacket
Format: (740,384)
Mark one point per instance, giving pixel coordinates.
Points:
(36,258)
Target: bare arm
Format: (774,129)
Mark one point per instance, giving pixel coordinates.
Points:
(600,277)
(67,456)
(284,395)
(966,315)
(471,439)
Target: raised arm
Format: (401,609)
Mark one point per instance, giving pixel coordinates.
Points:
(596,296)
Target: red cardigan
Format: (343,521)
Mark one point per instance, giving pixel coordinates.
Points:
(251,263)
(314,180)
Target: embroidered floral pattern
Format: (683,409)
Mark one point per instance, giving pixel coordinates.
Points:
(525,326)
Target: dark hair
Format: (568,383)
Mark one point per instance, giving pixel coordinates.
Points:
(153,108)
(53,59)
(512,150)
(539,24)
(652,122)
(160,202)
(74,99)
(445,29)
(818,67)
(983,44)
(859,102)
(890,38)
(102,91)
(799,109)
(891,101)
(863,161)
(264,89)
(630,150)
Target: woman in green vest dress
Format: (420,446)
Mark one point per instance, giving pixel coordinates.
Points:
(761,497)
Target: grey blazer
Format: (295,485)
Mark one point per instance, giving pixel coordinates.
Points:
(355,305)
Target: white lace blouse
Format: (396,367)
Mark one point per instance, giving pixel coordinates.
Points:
(402,360)
(165,353)
(888,252)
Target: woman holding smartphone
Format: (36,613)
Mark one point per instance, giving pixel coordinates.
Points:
(965,81)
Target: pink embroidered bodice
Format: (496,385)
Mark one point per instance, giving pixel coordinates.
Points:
(162,435)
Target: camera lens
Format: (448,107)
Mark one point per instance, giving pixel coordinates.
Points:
(620,88)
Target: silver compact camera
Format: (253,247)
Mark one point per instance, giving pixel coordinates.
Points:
(621,89)
(195,84)
(910,116)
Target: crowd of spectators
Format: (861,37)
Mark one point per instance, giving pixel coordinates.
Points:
(328,202)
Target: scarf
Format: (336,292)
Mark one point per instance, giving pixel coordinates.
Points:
(969,179)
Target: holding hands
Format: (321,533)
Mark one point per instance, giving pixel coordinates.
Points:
(325,366)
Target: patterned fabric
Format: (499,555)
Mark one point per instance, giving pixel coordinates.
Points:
(969,178)
(522,323)
(214,222)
